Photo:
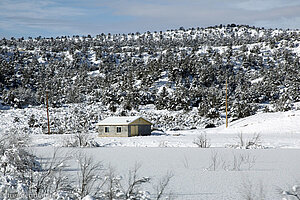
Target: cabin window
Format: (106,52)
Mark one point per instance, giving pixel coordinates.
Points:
(106,129)
(119,129)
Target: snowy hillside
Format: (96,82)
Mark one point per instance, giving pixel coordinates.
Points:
(266,123)
(177,70)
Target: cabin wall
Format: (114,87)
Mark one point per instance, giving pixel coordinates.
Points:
(113,131)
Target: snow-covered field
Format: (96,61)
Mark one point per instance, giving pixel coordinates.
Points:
(267,171)
(276,130)
(194,178)
(235,173)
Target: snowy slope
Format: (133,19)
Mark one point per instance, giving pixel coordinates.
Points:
(265,123)
(276,130)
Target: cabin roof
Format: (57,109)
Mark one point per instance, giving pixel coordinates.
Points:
(120,120)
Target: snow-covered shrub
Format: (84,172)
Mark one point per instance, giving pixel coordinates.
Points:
(32,121)
(16,165)
(15,137)
(12,151)
(19,97)
(23,175)
(202,141)
(247,143)
(213,113)
(252,191)
(293,193)
(214,161)
(95,182)
(240,162)
(162,185)
(284,103)
(242,108)
(163,143)
(12,188)
(236,163)
(113,186)
(80,140)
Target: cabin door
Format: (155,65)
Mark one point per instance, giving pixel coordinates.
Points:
(134,130)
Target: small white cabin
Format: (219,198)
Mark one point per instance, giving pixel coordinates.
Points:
(124,127)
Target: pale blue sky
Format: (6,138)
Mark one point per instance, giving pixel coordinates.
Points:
(81,17)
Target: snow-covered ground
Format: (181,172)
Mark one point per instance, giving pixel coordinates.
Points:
(238,172)
(268,171)
(276,130)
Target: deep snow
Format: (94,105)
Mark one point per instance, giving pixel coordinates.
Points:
(273,169)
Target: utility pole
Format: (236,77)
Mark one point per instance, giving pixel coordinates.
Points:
(47,111)
(226,106)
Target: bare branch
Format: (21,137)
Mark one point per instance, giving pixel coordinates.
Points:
(162,185)
(88,170)
(134,182)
